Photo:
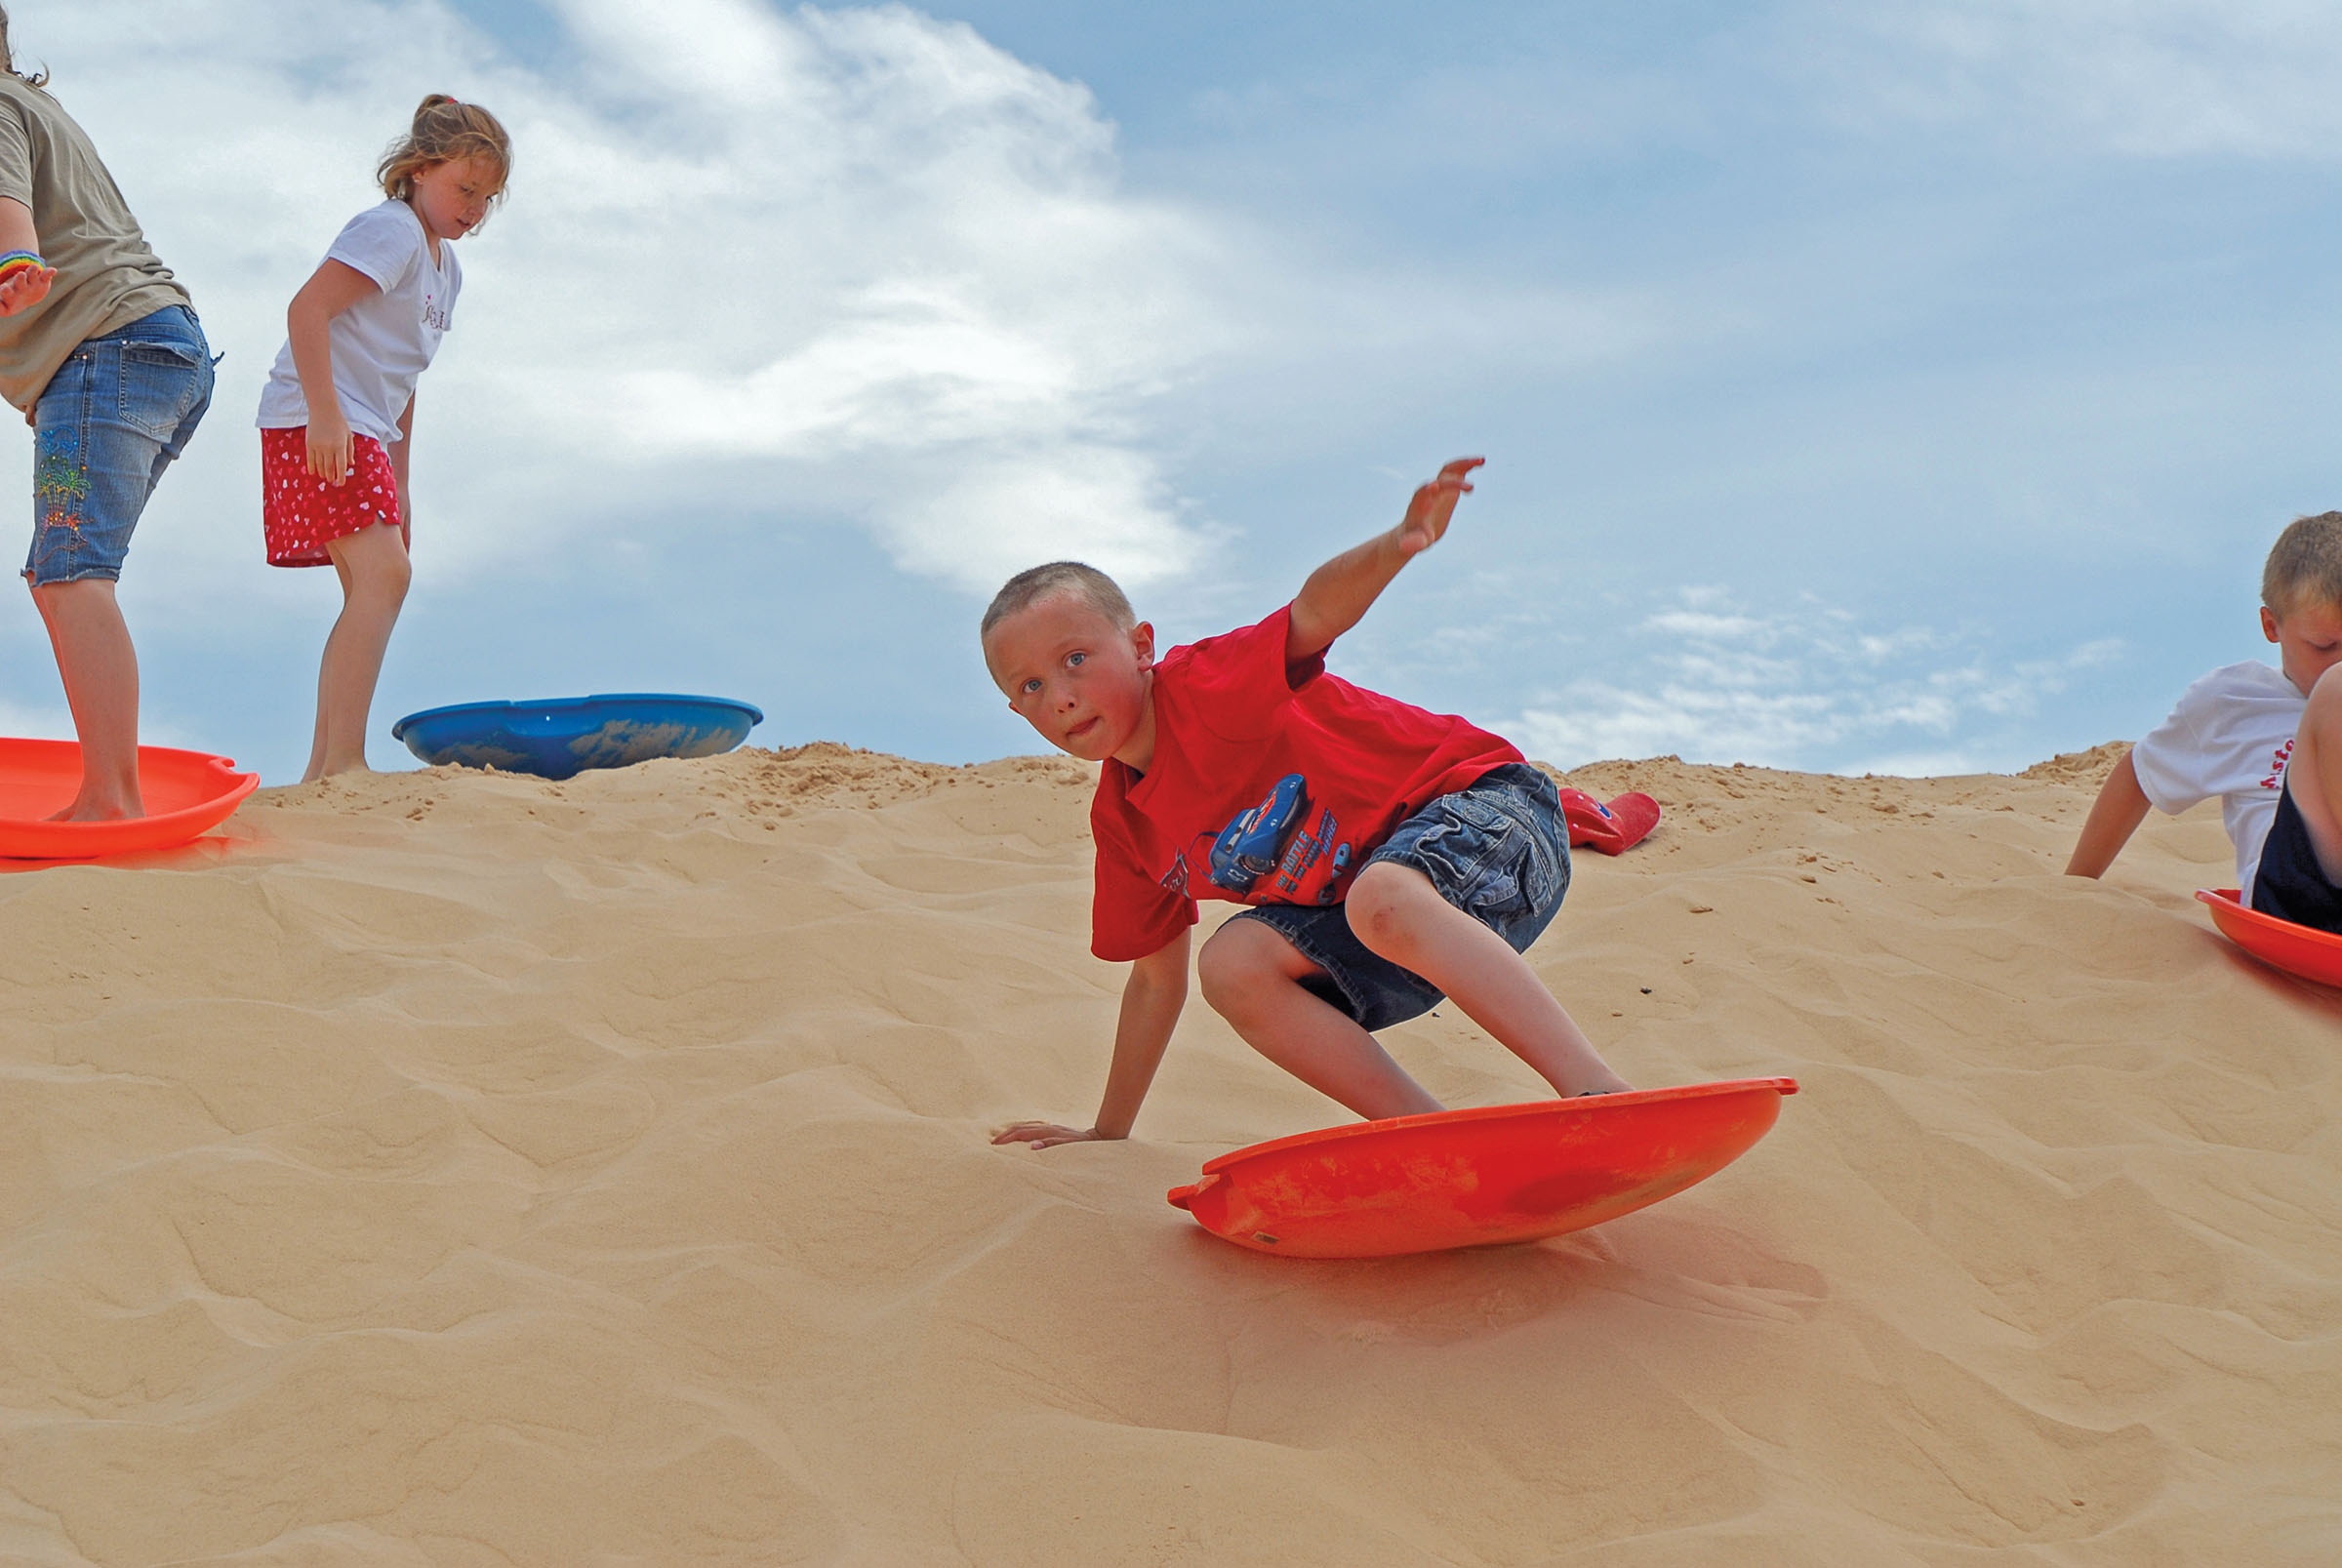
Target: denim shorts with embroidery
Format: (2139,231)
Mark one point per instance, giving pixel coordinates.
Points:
(1497,850)
(115,415)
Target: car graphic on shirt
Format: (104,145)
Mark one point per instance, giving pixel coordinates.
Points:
(1275,838)
(1249,847)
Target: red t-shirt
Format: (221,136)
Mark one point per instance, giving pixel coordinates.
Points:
(1269,785)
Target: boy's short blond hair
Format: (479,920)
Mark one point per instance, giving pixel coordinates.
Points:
(2304,565)
(1034,584)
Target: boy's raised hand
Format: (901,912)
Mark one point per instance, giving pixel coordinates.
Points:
(1345,588)
(1433,504)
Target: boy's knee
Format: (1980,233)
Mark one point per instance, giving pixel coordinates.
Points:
(1376,903)
(2325,699)
(1232,965)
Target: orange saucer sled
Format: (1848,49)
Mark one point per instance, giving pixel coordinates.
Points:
(2299,950)
(186,793)
(1480,1177)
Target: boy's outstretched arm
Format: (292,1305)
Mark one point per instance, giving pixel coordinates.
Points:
(1339,592)
(1157,988)
(2121,807)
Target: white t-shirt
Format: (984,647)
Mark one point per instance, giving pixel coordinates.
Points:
(383,344)
(2231,736)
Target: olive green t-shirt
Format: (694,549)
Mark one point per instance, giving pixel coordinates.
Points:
(106,276)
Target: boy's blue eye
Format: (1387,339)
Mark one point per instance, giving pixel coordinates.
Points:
(1075,658)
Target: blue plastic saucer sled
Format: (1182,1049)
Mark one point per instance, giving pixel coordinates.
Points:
(561,736)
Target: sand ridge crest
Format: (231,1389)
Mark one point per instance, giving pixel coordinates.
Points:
(462,1168)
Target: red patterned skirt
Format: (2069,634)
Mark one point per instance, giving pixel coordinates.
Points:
(300,511)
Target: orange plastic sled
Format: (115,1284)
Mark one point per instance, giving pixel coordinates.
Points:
(2301,950)
(187,792)
(1480,1177)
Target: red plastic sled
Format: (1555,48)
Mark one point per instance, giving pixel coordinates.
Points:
(187,792)
(1614,828)
(2299,950)
(1480,1176)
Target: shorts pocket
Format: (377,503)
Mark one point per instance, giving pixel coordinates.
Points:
(1524,857)
(1545,868)
(1473,857)
(160,384)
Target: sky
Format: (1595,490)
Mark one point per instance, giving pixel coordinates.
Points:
(1908,389)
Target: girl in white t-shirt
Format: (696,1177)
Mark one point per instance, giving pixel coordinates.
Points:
(338,417)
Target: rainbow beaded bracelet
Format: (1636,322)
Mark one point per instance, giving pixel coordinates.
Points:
(15,262)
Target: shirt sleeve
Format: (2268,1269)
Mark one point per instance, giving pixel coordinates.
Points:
(16,155)
(2168,760)
(1131,913)
(380,243)
(1239,682)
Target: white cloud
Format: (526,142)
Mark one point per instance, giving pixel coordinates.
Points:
(1783,689)
(2154,78)
(996,514)
(1709,626)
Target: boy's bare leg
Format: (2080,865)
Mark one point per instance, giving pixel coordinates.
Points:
(375,559)
(2314,776)
(1398,916)
(1252,978)
(100,667)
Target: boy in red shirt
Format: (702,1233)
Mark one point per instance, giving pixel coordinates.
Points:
(1388,856)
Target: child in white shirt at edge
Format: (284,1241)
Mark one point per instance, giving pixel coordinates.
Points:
(336,419)
(2267,741)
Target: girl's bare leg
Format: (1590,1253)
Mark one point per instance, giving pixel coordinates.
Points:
(375,573)
(316,767)
(1397,912)
(100,668)
(1252,978)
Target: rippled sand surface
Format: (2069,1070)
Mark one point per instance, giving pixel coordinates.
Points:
(464,1169)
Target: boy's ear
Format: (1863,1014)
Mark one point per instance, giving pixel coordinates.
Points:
(1141,643)
(2268,622)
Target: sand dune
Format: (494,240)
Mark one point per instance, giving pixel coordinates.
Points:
(465,1169)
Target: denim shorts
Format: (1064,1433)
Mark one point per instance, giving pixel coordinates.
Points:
(1497,850)
(111,420)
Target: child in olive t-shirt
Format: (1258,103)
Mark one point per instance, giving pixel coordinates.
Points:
(101,348)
